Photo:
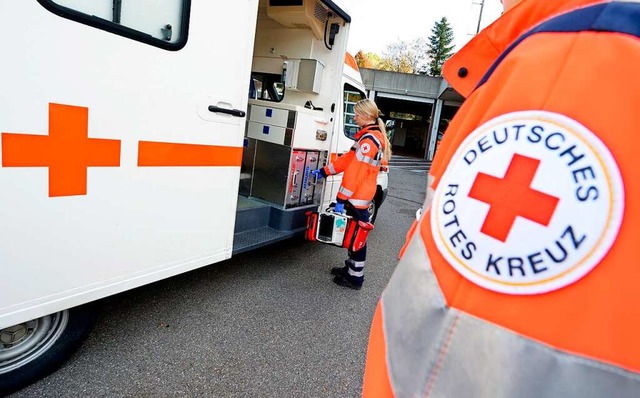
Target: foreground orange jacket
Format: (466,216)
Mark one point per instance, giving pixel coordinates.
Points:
(361,166)
(521,279)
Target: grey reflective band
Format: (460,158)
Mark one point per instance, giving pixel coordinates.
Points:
(378,160)
(332,170)
(355,273)
(366,159)
(361,203)
(357,264)
(437,351)
(345,191)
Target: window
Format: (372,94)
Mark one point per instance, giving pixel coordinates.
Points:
(160,23)
(405,116)
(351,96)
(266,87)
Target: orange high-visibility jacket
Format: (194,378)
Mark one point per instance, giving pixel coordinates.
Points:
(361,166)
(521,278)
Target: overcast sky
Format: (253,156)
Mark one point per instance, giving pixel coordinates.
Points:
(378,23)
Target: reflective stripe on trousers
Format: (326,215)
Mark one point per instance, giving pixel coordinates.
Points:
(433,350)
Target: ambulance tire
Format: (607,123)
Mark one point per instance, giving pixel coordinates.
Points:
(49,341)
(373,209)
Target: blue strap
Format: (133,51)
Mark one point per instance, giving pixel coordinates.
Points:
(613,17)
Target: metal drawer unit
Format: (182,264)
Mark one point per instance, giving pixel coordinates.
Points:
(284,143)
(271,124)
(282,175)
(308,193)
(289,125)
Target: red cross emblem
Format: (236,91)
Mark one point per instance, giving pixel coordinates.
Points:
(512,196)
(66,151)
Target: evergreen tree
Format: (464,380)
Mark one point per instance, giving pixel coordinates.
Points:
(440,47)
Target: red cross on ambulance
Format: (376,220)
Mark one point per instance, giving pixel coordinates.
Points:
(67,152)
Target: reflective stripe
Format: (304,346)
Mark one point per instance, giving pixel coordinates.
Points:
(360,203)
(373,138)
(437,351)
(367,159)
(331,169)
(357,264)
(345,191)
(356,268)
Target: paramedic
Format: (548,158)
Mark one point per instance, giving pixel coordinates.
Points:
(520,277)
(361,166)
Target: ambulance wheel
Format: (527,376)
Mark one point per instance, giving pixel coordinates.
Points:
(34,349)
(373,210)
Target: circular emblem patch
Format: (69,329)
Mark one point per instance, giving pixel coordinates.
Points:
(365,148)
(530,203)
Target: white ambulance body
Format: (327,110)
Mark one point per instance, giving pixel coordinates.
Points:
(143,139)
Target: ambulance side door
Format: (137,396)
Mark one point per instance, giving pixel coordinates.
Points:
(122,126)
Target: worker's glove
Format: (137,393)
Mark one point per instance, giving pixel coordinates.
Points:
(339,208)
(318,174)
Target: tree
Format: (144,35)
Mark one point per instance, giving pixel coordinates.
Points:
(368,60)
(397,58)
(404,56)
(440,47)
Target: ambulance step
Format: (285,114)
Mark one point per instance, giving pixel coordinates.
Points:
(248,240)
(259,223)
(251,215)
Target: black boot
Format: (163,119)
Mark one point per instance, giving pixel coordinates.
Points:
(346,281)
(341,270)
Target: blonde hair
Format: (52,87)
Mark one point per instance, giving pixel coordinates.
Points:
(369,109)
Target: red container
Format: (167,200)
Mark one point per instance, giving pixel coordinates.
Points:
(312,225)
(360,233)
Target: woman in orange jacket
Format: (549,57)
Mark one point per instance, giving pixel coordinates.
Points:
(360,166)
(520,279)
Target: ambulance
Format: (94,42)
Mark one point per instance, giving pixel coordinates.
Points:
(141,139)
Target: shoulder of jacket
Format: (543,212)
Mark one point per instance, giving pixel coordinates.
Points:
(373,136)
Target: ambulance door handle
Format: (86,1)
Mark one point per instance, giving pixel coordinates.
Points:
(232,112)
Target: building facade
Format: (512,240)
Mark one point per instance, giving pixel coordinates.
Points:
(416,108)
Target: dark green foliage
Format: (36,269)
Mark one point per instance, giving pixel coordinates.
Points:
(440,47)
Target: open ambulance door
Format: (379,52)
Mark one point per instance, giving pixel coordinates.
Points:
(122,130)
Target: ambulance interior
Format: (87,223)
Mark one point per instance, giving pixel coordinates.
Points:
(295,101)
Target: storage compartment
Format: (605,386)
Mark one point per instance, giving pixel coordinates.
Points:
(282,175)
(303,75)
(288,125)
(308,193)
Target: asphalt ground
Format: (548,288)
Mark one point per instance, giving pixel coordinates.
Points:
(267,323)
